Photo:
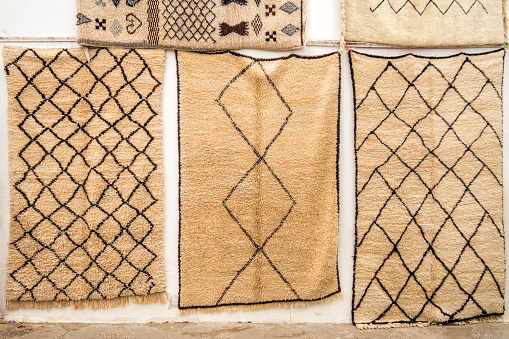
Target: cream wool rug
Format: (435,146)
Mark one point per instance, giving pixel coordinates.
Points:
(193,24)
(258,179)
(427,23)
(429,235)
(86,180)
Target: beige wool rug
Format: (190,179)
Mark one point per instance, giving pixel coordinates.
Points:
(258,179)
(429,234)
(86,180)
(193,24)
(427,23)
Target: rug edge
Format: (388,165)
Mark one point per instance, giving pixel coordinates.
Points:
(261,305)
(490,318)
(159,297)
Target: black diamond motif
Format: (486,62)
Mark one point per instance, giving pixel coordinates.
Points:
(257,24)
(262,163)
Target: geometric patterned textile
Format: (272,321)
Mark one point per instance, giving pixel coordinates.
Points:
(85,162)
(427,23)
(258,179)
(193,24)
(429,234)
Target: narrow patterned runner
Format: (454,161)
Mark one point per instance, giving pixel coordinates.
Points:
(193,24)
(429,234)
(427,23)
(86,183)
(258,179)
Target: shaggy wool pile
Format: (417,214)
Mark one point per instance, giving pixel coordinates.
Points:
(429,236)
(258,179)
(193,24)
(427,23)
(85,171)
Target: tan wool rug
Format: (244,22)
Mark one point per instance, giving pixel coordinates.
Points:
(427,23)
(258,179)
(193,24)
(86,180)
(429,235)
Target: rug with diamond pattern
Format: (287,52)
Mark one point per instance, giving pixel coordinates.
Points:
(193,24)
(86,187)
(427,23)
(429,236)
(258,179)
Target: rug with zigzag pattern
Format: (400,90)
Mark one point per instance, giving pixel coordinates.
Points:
(427,23)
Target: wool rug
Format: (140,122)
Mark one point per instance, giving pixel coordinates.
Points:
(86,180)
(427,23)
(193,24)
(258,179)
(429,234)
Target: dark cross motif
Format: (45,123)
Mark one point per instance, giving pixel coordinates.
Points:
(432,109)
(262,162)
(430,4)
(270,10)
(100,24)
(271,36)
(106,157)
(100,3)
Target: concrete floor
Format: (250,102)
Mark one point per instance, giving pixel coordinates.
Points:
(242,330)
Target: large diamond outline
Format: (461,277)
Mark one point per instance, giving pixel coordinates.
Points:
(260,160)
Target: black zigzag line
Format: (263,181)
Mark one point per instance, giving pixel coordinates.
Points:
(430,4)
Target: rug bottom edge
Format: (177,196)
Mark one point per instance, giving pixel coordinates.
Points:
(260,306)
(159,297)
(477,320)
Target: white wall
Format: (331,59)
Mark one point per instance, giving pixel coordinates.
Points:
(56,18)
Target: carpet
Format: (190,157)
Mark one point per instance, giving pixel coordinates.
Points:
(258,145)
(429,233)
(427,23)
(193,24)
(86,180)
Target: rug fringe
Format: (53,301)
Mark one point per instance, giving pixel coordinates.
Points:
(480,320)
(343,27)
(504,7)
(160,297)
(392,325)
(257,307)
